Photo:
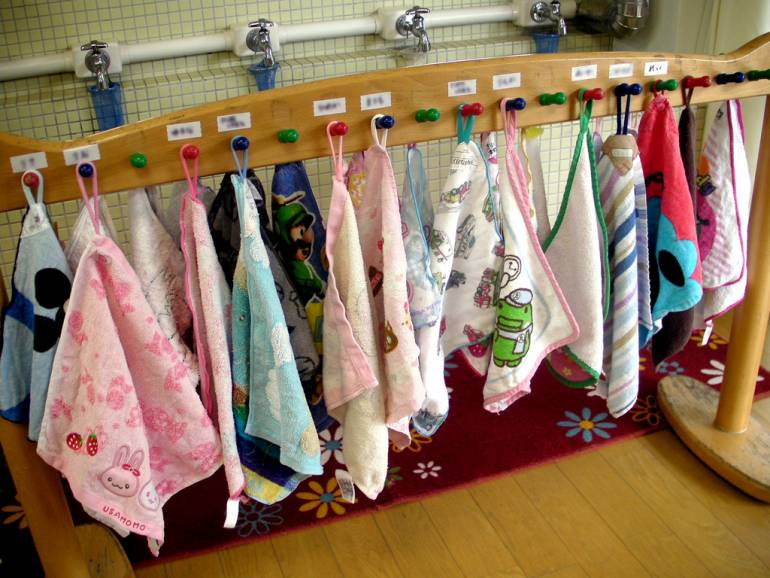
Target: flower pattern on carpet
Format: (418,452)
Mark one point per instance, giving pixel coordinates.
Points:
(322,500)
(425,470)
(257,519)
(471,444)
(15,513)
(418,441)
(647,411)
(714,342)
(331,445)
(586,425)
(717,373)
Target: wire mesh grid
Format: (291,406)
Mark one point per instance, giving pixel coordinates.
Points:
(58,107)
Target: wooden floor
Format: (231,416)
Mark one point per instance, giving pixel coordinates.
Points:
(644,507)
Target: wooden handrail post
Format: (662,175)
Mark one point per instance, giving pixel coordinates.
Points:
(42,497)
(747,336)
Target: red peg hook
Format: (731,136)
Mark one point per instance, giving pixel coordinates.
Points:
(190,152)
(31,180)
(338,129)
(701,81)
(474,109)
(593,94)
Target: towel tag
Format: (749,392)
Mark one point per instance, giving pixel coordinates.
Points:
(345,482)
(232,513)
(707,333)
(622,153)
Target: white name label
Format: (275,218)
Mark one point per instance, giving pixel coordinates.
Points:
(237,121)
(586,72)
(656,68)
(81,154)
(375,100)
(622,153)
(184,130)
(623,70)
(461,87)
(21,163)
(346,485)
(502,81)
(329,106)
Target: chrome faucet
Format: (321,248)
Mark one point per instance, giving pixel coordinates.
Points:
(543,11)
(412,22)
(98,62)
(258,39)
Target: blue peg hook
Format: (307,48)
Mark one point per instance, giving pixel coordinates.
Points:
(86,170)
(515,104)
(384,122)
(240,143)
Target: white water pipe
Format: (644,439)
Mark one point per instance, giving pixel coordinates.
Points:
(382,23)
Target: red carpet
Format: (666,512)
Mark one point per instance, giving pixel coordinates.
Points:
(550,423)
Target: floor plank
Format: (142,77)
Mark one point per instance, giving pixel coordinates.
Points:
(255,559)
(415,543)
(154,571)
(529,537)
(204,565)
(359,547)
(473,542)
(593,543)
(568,572)
(635,523)
(746,517)
(717,547)
(306,553)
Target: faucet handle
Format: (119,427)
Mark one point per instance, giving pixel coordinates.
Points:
(417,11)
(95,45)
(262,23)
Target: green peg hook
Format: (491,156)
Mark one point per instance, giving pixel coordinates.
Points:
(669,84)
(547,99)
(288,135)
(759,74)
(430,115)
(138,160)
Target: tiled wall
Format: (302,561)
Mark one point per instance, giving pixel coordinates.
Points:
(58,107)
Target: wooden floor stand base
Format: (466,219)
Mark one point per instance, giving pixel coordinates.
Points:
(742,459)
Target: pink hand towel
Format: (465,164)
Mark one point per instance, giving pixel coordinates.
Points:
(351,375)
(208,297)
(382,246)
(122,422)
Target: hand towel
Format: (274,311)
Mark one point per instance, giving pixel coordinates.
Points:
(417,222)
(159,264)
(382,246)
(40,288)
(225,232)
(724,202)
(677,326)
(579,237)
(301,237)
(121,423)
(617,187)
(208,298)
(352,387)
(675,268)
(83,231)
(467,172)
(265,368)
(533,317)
(169,215)
(532,161)
(478,255)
